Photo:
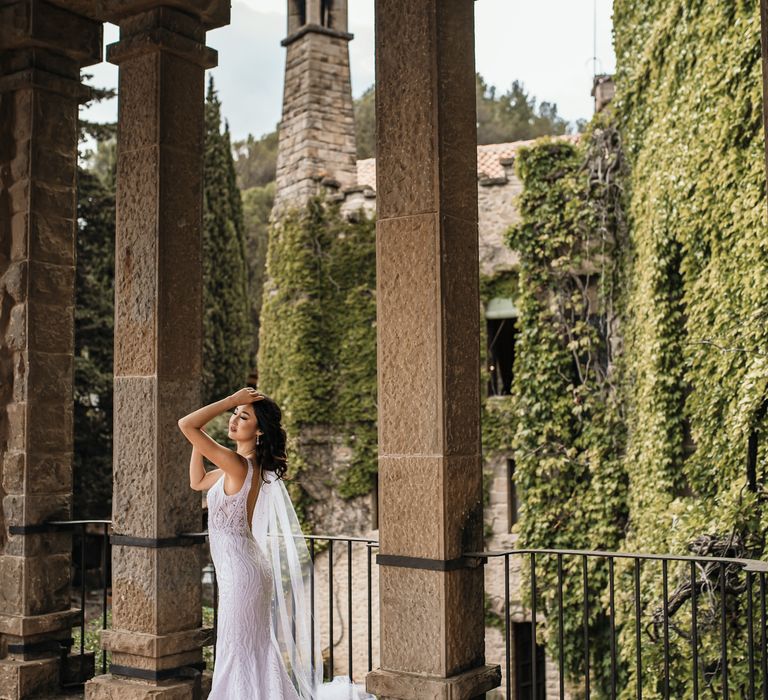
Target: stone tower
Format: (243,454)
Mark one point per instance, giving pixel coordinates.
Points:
(317,130)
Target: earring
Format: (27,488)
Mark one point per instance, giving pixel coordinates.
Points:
(258,438)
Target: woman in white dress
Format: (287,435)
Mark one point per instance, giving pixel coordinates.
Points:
(260,557)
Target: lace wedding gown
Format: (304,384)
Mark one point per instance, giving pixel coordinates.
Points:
(248,663)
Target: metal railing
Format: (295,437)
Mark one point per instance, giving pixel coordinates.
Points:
(719,594)
(664,625)
(315,543)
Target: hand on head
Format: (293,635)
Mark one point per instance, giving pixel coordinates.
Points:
(247,395)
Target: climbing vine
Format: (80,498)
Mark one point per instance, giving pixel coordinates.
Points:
(696,342)
(569,434)
(681,298)
(317,353)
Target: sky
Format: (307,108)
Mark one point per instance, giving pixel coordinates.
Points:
(548,45)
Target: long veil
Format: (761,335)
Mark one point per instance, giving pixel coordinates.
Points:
(277,531)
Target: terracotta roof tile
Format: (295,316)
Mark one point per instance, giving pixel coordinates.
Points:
(489,158)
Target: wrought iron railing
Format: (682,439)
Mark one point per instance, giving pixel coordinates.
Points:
(670,626)
(716,594)
(315,543)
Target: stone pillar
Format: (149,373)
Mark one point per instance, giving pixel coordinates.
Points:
(155,639)
(42,48)
(317,130)
(430,476)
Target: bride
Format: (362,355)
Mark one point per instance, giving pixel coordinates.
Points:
(264,646)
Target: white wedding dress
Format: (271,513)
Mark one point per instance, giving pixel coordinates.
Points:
(249,662)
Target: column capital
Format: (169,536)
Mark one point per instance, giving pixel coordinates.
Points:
(163,29)
(35,24)
(210,13)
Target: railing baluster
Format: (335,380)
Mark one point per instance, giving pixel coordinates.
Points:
(507,630)
(638,651)
(82,591)
(330,607)
(560,626)
(215,611)
(764,636)
(665,611)
(612,605)
(723,633)
(694,631)
(349,605)
(370,620)
(533,626)
(750,637)
(104,561)
(312,603)
(585,595)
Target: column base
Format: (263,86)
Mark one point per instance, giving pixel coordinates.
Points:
(24,679)
(396,685)
(109,687)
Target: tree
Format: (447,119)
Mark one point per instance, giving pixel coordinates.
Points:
(257,206)
(513,116)
(94,314)
(365,123)
(256,160)
(227,330)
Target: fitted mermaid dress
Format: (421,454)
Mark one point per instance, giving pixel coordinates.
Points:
(248,665)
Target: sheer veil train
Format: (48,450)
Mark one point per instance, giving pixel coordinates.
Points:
(276,529)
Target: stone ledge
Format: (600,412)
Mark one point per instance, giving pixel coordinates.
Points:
(109,687)
(394,685)
(153,646)
(29,625)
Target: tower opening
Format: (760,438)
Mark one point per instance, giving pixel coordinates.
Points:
(297,15)
(326,13)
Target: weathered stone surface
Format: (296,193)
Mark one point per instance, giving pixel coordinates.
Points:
(432,624)
(24,679)
(317,129)
(140,604)
(408,318)
(110,687)
(41,24)
(387,685)
(158,342)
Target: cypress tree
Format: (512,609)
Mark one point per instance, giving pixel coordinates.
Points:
(227,328)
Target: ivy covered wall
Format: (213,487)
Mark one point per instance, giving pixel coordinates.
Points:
(651,455)
(317,349)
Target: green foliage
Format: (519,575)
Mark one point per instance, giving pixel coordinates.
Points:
(317,353)
(94,330)
(365,123)
(689,87)
(256,160)
(513,116)
(568,439)
(227,326)
(257,206)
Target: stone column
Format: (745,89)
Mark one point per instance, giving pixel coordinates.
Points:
(155,639)
(430,477)
(42,48)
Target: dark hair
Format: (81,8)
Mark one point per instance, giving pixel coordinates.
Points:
(270,452)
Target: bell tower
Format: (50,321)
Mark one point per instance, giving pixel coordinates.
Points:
(317,129)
